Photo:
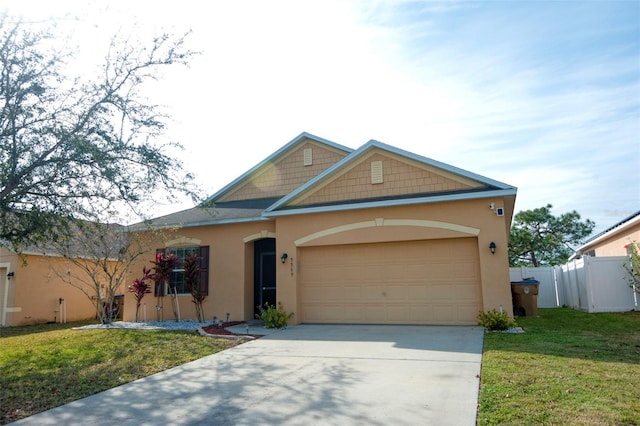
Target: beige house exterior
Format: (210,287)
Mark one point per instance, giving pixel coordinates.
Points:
(376,235)
(32,292)
(614,240)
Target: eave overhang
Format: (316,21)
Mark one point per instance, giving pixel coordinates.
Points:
(391,203)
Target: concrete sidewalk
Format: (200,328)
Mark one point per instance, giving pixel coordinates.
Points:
(307,374)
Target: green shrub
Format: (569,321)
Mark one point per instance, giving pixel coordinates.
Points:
(273,317)
(494,320)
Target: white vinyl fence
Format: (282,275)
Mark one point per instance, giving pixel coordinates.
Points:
(548,295)
(597,284)
(591,284)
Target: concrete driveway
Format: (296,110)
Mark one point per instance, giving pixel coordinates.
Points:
(305,375)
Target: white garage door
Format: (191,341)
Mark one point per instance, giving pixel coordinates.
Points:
(411,282)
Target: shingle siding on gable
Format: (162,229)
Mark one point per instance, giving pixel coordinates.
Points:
(399,179)
(286,174)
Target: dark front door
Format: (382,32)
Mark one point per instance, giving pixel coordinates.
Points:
(264,273)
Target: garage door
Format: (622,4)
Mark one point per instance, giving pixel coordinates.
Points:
(411,282)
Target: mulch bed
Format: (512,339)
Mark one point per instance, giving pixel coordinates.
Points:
(221,329)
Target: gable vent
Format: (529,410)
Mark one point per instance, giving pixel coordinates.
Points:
(376,172)
(307,157)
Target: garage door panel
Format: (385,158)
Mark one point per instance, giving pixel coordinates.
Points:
(398,292)
(465,270)
(352,294)
(439,270)
(334,293)
(468,311)
(418,293)
(374,294)
(443,314)
(396,313)
(415,282)
(329,313)
(467,293)
(442,292)
(374,313)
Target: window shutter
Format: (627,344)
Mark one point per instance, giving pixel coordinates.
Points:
(204,269)
(159,286)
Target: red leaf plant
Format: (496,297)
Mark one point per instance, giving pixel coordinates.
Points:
(140,287)
(191,267)
(164,264)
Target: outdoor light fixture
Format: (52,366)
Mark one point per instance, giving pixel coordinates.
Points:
(283,258)
(10,274)
(492,247)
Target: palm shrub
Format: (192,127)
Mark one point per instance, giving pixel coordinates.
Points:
(191,266)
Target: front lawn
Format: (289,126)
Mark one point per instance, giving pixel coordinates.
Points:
(569,367)
(45,366)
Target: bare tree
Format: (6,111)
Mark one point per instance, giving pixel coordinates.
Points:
(69,145)
(99,258)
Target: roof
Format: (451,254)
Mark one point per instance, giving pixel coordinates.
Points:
(493,187)
(81,242)
(622,223)
(229,212)
(619,227)
(213,212)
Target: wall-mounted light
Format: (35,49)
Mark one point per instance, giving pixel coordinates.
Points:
(10,274)
(283,258)
(492,247)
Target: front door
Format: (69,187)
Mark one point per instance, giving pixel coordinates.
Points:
(264,273)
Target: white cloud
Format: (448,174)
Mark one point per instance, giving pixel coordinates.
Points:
(544,96)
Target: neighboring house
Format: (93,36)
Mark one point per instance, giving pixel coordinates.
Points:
(374,235)
(614,240)
(33,290)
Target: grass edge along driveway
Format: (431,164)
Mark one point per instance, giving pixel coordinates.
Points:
(45,366)
(569,367)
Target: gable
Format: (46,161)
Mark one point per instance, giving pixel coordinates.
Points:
(301,160)
(377,175)
(381,174)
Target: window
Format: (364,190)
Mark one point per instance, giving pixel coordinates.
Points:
(177,276)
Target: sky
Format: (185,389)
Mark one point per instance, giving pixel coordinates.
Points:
(541,95)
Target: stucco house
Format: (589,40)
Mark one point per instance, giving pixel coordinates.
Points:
(374,235)
(32,291)
(35,285)
(614,240)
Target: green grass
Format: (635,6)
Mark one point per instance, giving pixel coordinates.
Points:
(569,368)
(45,366)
